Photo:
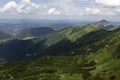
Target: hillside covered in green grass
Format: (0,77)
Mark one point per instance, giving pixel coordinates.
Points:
(74,53)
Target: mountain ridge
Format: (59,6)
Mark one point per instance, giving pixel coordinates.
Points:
(74,53)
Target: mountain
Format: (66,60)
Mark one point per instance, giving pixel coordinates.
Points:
(74,53)
(41,46)
(84,39)
(62,40)
(103,24)
(83,53)
(33,32)
(15,27)
(69,41)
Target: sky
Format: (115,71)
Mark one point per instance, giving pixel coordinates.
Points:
(60,9)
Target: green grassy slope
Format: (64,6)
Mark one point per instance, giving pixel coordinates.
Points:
(23,48)
(92,56)
(71,33)
(60,39)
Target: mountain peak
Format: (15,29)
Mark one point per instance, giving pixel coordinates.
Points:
(103,20)
(104,24)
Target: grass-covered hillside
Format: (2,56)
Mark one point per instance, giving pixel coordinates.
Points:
(74,53)
(62,41)
(29,47)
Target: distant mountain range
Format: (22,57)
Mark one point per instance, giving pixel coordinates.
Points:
(16,29)
(64,41)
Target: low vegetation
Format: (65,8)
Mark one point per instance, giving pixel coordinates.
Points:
(74,53)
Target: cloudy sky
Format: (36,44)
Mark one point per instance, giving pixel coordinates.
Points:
(61,9)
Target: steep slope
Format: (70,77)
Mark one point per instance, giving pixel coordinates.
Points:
(70,33)
(28,48)
(101,61)
(69,41)
(93,55)
(60,38)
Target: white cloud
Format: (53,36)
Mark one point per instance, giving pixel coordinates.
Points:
(65,8)
(100,11)
(24,6)
(58,8)
(92,10)
(9,6)
(25,1)
(109,2)
(53,11)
